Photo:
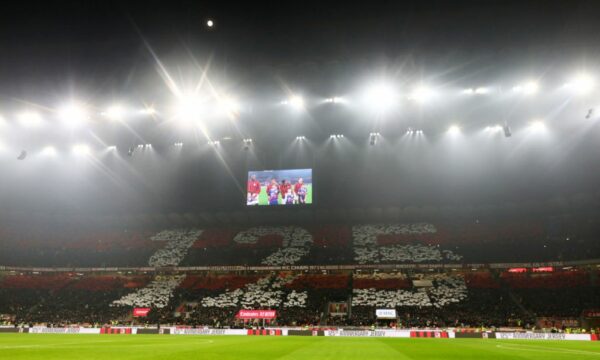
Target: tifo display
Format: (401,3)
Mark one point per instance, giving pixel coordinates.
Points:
(280,187)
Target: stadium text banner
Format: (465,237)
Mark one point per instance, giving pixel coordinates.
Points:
(385,313)
(256,314)
(140,312)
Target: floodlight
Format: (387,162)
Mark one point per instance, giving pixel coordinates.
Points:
(334,100)
(189,107)
(381,96)
(229,105)
(530,88)
(148,110)
(527,88)
(73,114)
(114,112)
(495,128)
(422,94)
(537,125)
(296,101)
(81,149)
(454,130)
(48,151)
(581,84)
(30,119)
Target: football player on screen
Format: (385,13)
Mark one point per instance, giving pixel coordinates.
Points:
(289,197)
(300,190)
(253,190)
(273,192)
(283,188)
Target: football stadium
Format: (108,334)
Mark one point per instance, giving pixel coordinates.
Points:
(314,180)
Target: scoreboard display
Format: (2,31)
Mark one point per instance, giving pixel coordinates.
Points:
(279,187)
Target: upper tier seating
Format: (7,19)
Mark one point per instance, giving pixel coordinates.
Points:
(558,239)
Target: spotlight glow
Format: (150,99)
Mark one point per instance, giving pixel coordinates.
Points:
(296,101)
(115,112)
(73,115)
(495,128)
(30,119)
(189,107)
(334,100)
(229,105)
(148,110)
(381,97)
(476,91)
(581,84)
(49,151)
(454,130)
(422,94)
(537,125)
(81,149)
(528,88)
(210,23)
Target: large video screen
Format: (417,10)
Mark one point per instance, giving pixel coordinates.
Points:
(280,187)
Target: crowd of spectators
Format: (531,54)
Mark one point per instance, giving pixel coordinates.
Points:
(556,239)
(445,299)
(472,298)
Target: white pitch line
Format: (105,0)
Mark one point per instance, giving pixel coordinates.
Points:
(540,348)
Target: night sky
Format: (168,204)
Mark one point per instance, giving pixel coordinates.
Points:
(99,43)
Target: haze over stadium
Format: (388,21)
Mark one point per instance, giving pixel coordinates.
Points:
(423,172)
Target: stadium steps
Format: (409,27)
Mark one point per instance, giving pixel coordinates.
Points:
(515,299)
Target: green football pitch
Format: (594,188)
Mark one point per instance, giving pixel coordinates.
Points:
(262,197)
(108,347)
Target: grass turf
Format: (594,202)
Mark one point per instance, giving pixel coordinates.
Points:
(263,200)
(108,347)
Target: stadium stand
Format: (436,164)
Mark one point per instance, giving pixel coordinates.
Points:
(441,299)
(454,295)
(443,242)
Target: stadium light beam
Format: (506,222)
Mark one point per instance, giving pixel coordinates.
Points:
(81,150)
(73,115)
(422,94)
(334,100)
(537,125)
(296,102)
(229,105)
(149,110)
(581,84)
(454,130)
(189,107)
(381,97)
(115,113)
(30,119)
(48,151)
(527,88)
